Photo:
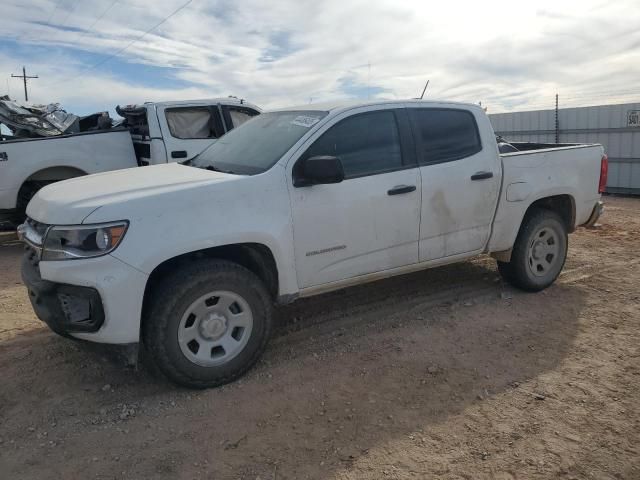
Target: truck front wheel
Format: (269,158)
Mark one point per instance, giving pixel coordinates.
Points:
(208,323)
(539,252)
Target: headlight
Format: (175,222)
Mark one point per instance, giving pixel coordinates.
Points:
(82,241)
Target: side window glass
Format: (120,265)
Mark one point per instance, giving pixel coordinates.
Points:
(238,117)
(191,122)
(366,144)
(444,135)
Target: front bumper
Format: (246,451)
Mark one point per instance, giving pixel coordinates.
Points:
(66,309)
(96,299)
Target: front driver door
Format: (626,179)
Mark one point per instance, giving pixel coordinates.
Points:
(370,221)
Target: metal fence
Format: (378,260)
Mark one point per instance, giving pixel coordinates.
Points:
(616,127)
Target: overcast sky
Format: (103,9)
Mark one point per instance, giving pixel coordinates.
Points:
(511,55)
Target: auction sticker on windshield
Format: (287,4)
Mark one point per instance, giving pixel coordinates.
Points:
(305,121)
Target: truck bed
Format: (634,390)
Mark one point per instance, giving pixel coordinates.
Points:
(541,170)
(45,159)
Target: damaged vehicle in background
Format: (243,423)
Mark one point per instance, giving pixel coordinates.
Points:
(42,144)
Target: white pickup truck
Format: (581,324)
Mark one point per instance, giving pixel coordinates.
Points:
(151,133)
(190,258)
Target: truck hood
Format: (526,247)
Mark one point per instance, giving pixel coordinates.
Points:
(71,201)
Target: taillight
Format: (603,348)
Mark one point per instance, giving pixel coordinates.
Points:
(604,171)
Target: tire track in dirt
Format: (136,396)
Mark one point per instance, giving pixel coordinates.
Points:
(465,284)
(585,272)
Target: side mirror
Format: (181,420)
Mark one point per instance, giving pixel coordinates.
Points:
(317,171)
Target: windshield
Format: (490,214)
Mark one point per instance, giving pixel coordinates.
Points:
(258,144)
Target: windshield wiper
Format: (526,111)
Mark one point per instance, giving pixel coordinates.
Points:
(189,163)
(216,169)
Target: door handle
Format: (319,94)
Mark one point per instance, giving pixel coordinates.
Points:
(481,175)
(179,154)
(400,189)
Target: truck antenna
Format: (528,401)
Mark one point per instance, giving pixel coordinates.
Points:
(424,90)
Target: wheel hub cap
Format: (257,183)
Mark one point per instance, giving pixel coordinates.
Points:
(538,250)
(544,250)
(213,326)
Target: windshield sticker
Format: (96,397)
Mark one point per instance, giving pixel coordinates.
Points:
(304,121)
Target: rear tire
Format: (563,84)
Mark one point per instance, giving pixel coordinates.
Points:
(208,323)
(25,194)
(539,252)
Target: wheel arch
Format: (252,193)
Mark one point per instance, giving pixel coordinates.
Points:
(255,257)
(50,174)
(59,172)
(563,204)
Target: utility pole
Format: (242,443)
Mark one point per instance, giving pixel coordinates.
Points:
(368,78)
(24,77)
(557,122)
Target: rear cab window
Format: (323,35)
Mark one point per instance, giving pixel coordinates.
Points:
(193,122)
(444,134)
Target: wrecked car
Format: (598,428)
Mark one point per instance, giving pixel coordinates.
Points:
(45,144)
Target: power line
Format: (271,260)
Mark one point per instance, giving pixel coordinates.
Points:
(55,9)
(109,57)
(100,17)
(71,10)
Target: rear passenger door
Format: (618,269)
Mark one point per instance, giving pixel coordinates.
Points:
(369,221)
(460,182)
(188,130)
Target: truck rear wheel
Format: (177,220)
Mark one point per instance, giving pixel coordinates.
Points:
(539,252)
(208,323)
(25,194)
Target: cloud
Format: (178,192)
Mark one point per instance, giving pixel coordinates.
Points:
(506,54)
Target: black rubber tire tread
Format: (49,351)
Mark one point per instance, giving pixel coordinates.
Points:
(515,272)
(25,194)
(176,292)
(505,271)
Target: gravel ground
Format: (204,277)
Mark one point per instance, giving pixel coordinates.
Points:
(447,373)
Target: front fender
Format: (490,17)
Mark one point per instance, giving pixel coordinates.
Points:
(249,210)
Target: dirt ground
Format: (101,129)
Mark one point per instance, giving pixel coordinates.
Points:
(447,373)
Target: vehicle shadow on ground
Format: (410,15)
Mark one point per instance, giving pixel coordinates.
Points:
(347,373)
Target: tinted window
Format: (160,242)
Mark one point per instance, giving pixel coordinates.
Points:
(366,144)
(444,135)
(191,122)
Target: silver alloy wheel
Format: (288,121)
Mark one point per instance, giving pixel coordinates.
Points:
(215,328)
(544,250)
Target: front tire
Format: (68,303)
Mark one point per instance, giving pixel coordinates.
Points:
(208,323)
(539,252)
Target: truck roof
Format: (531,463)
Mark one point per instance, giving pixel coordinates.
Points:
(337,106)
(205,101)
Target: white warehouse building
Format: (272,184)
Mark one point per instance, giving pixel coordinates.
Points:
(616,127)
